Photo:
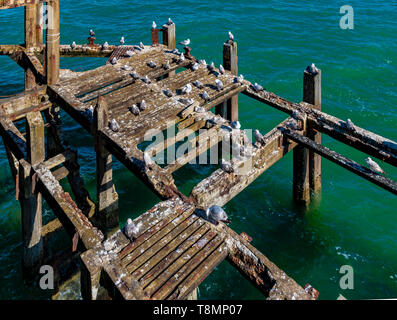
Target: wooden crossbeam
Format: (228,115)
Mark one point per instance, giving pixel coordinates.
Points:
(8,4)
(344,162)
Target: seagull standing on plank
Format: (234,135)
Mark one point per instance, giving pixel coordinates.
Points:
(73,45)
(135,110)
(131,230)
(195,66)
(350,125)
(221,69)
(167,65)
(147,160)
(258,136)
(142,105)
(105,45)
(226,166)
(114,126)
(216,214)
(374,166)
(122,41)
(257,87)
(187,89)
(235,125)
(198,84)
(219,84)
(185,42)
(205,96)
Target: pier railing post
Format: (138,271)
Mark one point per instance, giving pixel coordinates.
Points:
(52,42)
(30,40)
(39,24)
(107,208)
(169,40)
(312,95)
(229,109)
(30,199)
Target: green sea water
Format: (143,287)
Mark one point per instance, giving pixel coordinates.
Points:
(352,222)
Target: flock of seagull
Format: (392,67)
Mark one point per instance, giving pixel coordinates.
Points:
(214,214)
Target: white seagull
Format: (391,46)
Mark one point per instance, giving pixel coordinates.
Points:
(219,84)
(131,230)
(199,109)
(185,42)
(221,69)
(170,21)
(122,41)
(114,126)
(181,57)
(92,33)
(73,45)
(154,25)
(257,87)
(195,66)
(147,159)
(168,93)
(129,53)
(135,75)
(187,89)
(205,96)
(114,60)
(226,166)
(105,45)
(198,84)
(187,101)
(211,66)
(167,65)
(142,105)
(202,61)
(152,64)
(350,125)
(231,36)
(141,45)
(146,79)
(216,214)
(135,110)
(235,125)
(374,166)
(258,136)
(312,69)
(240,78)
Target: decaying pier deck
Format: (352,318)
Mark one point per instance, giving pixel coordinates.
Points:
(177,247)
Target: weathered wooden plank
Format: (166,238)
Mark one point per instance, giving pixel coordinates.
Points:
(221,186)
(15,141)
(7,4)
(59,159)
(159,233)
(199,274)
(344,162)
(18,103)
(153,251)
(84,50)
(181,268)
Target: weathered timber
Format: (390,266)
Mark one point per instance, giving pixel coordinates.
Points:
(312,95)
(52,43)
(344,162)
(85,51)
(221,186)
(7,4)
(19,103)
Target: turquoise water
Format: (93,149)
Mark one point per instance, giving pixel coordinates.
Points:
(352,222)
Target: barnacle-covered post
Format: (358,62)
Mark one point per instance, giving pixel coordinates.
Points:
(107,208)
(52,42)
(312,95)
(229,109)
(30,199)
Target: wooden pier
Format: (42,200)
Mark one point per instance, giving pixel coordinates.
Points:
(176,248)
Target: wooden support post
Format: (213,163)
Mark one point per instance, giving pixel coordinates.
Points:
(312,95)
(30,199)
(90,275)
(229,108)
(39,24)
(30,41)
(169,41)
(52,45)
(107,208)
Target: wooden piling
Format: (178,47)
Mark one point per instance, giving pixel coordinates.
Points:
(30,41)
(107,208)
(169,35)
(312,95)
(30,199)
(39,24)
(229,108)
(52,43)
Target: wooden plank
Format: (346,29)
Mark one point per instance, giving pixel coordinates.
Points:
(7,4)
(59,159)
(153,251)
(84,50)
(180,269)
(156,235)
(15,141)
(22,101)
(344,162)
(199,274)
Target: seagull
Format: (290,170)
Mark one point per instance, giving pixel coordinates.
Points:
(152,64)
(312,69)
(226,166)
(126,67)
(202,62)
(216,214)
(185,42)
(198,84)
(187,101)
(92,33)
(199,109)
(129,53)
(240,79)
(105,45)
(154,25)
(122,41)
(135,110)
(219,84)
(181,57)
(258,136)
(221,69)
(167,65)
(231,36)
(297,115)
(175,51)
(147,159)
(146,79)
(257,87)
(141,45)
(235,125)
(142,105)
(135,75)
(73,45)
(170,21)
(114,126)
(187,89)
(168,93)
(114,60)
(374,166)
(205,96)
(211,66)
(131,230)
(195,66)
(350,125)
